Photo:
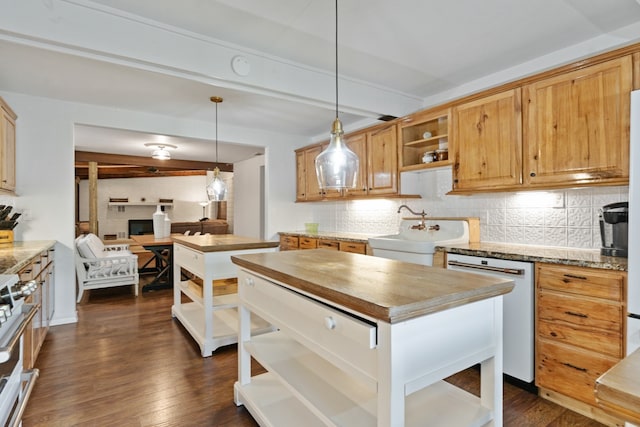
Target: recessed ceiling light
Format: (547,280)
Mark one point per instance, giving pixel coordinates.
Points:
(161,153)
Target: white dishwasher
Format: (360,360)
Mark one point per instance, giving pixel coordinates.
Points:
(518,317)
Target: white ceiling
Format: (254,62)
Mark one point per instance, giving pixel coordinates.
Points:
(411,48)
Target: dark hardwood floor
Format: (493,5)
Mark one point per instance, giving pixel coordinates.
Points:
(127,363)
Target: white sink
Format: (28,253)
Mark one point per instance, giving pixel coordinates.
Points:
(413,245)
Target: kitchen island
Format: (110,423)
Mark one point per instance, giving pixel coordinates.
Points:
(367,341)
(211,320)
(618,389)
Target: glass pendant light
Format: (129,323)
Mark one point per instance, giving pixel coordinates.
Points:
(216,189)
(337,166)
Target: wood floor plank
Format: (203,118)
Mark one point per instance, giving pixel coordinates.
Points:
(127,363)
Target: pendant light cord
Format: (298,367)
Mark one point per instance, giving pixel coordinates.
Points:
(216,132)
(336,59)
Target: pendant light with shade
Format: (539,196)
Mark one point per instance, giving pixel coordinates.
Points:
(216,189)
(337,166)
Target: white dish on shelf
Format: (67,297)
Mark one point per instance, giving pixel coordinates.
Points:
(426,135)
(428,157)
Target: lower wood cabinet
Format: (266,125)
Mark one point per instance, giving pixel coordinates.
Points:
(579,331)
(289,242)
(307,243)
(353,247)
(40,269)
(333,245)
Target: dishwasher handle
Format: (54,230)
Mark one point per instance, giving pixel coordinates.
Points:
(512,271)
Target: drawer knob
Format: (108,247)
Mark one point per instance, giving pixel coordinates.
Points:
(249,282)
(329,322)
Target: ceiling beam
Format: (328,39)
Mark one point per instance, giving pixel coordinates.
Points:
(118,159)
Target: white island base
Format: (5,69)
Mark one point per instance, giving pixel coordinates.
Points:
(212,320)
(330,366)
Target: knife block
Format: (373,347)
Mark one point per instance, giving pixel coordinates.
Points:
(6,236)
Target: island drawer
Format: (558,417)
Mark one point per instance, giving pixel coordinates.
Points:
(337,335)
(189,259)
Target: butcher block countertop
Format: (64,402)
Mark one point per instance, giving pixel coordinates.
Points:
(618,389)
(383,289)
(222,242)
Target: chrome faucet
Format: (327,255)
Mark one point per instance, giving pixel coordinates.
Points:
(422,225)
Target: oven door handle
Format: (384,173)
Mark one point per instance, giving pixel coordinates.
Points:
(5,352)
(505,270)
(31,376)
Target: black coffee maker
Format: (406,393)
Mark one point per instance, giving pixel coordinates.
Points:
(614,221)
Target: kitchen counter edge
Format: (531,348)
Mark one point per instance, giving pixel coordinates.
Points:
(590,258)
(387,290)
(16,255)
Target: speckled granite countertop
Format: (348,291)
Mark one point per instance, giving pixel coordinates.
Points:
(549,254)
(14,256)
(332,235)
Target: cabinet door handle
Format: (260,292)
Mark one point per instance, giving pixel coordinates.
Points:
(573,313)
(329,322)
(249,282)
(577,368)
(532,174)
(573,276)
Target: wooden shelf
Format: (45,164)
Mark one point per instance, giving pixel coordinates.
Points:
(412,145)
(192,317)
(426,142)
(140,204)
(426,166)
(220,302)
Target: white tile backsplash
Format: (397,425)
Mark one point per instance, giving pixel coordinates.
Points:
(579,238)
(559,218)
(579,217)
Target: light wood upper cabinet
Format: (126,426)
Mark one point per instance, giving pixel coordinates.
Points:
(7,148)
(382,161)
(307,187)
(301,176)
(358,144)
(487,136)
(577,126)
(377,151)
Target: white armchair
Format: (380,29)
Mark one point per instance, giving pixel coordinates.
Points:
(104,266)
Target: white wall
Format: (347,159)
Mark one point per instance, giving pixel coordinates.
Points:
(45,173)
(186,191)
(248,211)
